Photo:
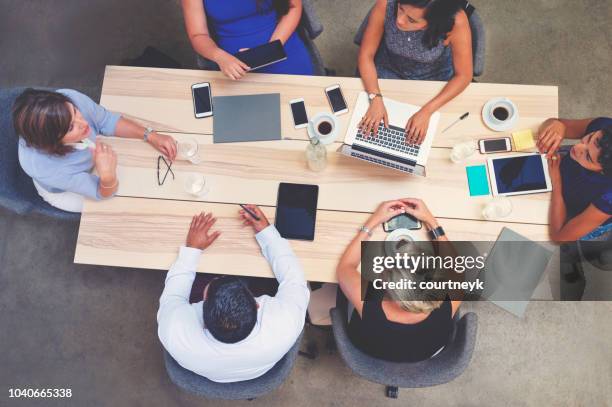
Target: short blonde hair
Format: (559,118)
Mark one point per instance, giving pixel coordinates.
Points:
(407,299)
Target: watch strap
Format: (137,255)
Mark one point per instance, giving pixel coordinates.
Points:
(366,230)
(146,134)
(436,233)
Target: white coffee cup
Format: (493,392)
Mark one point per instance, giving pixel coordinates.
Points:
(323,126)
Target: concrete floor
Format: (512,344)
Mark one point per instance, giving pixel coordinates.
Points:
(92,329)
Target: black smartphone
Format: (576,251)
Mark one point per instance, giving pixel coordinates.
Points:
(298,110)
(263,55)
(402,221)
(336,100)
(296,211)
(202,99)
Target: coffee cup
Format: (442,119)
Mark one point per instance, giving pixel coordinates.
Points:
(500,114)
(324,126)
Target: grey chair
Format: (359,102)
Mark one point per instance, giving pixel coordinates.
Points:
(440,369)
(245,390)
(310,27)
(478,37)
(17,192)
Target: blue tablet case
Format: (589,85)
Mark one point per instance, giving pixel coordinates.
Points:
(246,118)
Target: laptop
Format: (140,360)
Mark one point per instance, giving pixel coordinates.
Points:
(389,148)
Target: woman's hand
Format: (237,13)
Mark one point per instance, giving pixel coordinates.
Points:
(384,212)
(554,170)
(105,161)
(416,128)
(550,136)
(418,209)
(231,66)
(375,114)
(164,144)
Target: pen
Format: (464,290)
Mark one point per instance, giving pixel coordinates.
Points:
(463,116)
(250,212)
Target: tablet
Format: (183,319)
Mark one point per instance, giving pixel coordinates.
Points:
(263,55)
(519,174)
(296,211)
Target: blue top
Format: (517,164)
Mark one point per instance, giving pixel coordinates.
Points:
(582,187)
(404,55)
(239,24)
(70,172)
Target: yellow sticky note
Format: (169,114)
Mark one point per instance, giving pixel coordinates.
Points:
(523,140)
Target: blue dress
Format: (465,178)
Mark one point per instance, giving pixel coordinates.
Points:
(240,24)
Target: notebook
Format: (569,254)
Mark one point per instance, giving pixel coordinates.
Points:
(477,180)
(246,118)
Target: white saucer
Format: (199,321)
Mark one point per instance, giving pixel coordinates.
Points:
(495,124)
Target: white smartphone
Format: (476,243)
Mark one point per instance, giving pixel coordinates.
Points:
(495,145)
(298,110)
(202,100)
(336,100)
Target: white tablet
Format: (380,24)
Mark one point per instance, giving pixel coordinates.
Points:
(519,174)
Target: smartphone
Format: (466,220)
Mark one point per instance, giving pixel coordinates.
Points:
(495,145)
(402,221)
(202,100)
(336,100)
(296,211)
(263,55)
(298,110)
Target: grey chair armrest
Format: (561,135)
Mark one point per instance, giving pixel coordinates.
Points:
(310,20)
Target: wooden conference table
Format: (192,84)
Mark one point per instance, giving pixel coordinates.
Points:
(144,225)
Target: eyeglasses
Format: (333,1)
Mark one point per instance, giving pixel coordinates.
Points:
(160,181)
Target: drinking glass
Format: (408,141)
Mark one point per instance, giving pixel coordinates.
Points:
(195,184)
(187,149)
(496,208)
(462,151)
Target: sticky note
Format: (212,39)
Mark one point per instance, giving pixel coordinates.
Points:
(523,140)
(477,180)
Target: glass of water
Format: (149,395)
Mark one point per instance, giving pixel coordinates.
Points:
(187,150)
(196,185)
(497,208)
(462,151)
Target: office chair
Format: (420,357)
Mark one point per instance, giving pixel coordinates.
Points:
(478,37)
(440,369)
(310,27)
(17,191)
(245,390)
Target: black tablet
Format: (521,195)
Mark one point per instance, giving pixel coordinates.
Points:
(263,55)
(296,211)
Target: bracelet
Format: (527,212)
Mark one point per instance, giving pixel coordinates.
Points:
(147,132)
(366,230)
(112,186)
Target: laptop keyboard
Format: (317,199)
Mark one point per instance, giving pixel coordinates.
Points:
(392,137)
(382,162)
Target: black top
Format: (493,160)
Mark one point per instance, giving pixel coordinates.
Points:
(375,335)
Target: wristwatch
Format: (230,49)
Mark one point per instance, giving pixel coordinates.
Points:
(147,132)
(373,96)
(366,230)
(436,233)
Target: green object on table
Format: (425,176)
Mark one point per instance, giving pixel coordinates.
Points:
(478,180)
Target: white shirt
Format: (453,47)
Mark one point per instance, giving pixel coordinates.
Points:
(280,319)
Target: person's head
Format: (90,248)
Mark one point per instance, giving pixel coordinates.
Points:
(594,152)
(437,17)
(48,121)
(414,300)
(229,309)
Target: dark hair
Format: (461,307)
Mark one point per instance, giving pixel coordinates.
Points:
(230,310)
(280,6)
(42,118)
(605,154)
(440,16)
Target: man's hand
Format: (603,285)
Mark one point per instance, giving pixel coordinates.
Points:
(418,209)
(384,212)
(164,144)
(199,236)
(258,225)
